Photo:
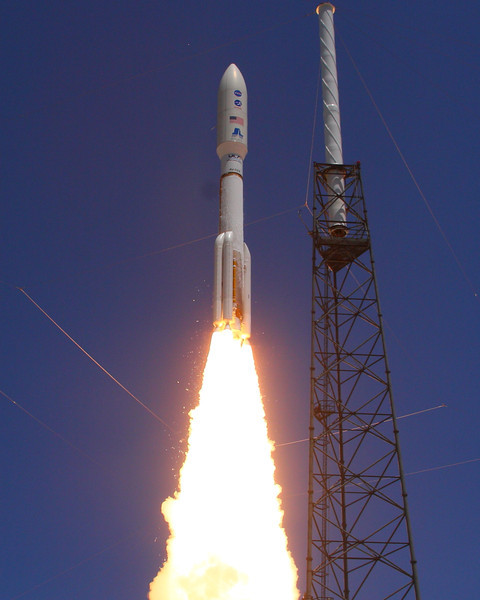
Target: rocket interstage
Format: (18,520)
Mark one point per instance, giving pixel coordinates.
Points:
(232,266)
(332,129)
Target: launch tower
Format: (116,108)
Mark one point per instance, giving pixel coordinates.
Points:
(359,533)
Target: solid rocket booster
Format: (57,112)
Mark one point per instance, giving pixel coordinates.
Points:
(232,267)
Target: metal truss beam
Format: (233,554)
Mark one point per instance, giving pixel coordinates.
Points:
(359,535)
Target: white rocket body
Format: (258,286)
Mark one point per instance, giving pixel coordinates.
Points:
(232,267)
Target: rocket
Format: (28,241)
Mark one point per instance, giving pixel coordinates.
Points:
(232,261)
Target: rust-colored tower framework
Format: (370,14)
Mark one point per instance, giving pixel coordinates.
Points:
(359,535)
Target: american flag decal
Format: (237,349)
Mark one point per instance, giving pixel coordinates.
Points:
(236,120)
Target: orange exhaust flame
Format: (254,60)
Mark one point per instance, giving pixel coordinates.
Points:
(227,541)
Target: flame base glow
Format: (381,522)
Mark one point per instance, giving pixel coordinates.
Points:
(227,541)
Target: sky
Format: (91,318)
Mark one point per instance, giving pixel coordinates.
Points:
(109,212)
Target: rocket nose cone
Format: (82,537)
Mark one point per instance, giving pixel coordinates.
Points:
(232,78)
(231,70)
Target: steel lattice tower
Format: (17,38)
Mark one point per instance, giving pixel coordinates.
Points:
(359,535)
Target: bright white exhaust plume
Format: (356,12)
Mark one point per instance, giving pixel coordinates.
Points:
(227,541)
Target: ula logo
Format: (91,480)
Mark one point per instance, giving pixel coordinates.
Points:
(237,131)
(238,103)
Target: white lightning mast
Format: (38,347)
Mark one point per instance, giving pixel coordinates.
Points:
(331,118)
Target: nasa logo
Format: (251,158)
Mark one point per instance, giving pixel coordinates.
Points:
(237,93)
(238,103)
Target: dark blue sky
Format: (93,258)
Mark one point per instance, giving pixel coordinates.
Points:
(108,116)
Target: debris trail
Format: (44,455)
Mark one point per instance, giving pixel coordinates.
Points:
(48,428)
(137,400)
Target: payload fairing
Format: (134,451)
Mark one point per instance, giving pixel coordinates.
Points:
(232,267)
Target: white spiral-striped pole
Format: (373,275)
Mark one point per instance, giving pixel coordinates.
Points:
(331,118)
